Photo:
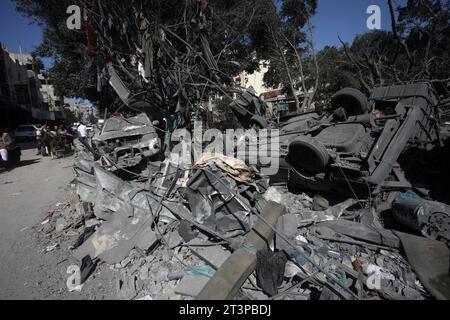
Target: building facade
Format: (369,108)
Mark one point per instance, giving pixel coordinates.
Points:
(255,79)
(26,96)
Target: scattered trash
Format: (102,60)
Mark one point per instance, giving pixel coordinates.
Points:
(430,218)
(52,247)
(61,224)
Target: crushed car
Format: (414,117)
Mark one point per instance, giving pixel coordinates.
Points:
(126,143)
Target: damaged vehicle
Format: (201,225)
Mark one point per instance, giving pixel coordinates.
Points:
(126,143)
(358,153)
(353,148)
(250,110)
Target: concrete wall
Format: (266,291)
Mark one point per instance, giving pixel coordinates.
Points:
(22,90)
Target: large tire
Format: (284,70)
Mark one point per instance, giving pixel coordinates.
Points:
(308,154)
(352,100)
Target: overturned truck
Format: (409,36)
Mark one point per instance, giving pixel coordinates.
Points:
(354,147)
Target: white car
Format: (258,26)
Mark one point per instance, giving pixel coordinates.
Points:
(25,133)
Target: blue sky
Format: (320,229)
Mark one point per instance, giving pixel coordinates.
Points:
(344,18)
(16,31)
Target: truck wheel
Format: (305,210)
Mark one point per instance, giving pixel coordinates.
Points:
(352,100)
(308,154)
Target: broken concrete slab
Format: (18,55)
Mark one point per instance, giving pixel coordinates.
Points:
(214,256)
(286,225)
(113,241)
(430,260)
(144,273)
(91,223)
(330,214)
(361,232)
(191,286)
(126,287)
(146,239)
(81,210)
(174,239)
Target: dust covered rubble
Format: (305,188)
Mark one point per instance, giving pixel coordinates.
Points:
(166,235)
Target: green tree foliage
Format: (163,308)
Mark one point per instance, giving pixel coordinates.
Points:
(416,49)
(335,73)
(196,46)
(282,40)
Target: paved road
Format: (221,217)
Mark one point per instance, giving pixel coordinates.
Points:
(26,194)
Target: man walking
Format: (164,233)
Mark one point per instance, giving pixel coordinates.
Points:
(82,133)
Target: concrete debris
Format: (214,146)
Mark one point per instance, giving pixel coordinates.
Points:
(191,286)
(52,247)
(334,229)
(211,254)
(126,287)
(61,224)
(92,223)
(272,194)
(320,203)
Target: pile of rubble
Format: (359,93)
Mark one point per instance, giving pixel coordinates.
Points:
(221,230)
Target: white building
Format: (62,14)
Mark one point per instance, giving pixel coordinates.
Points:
(255,80)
